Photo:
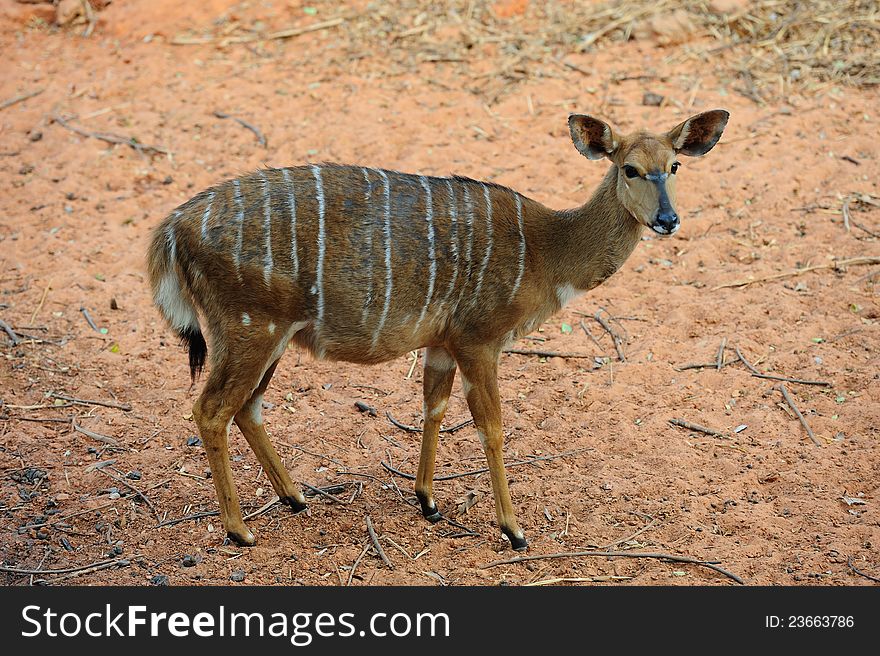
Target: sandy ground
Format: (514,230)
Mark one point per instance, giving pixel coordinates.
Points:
(75,216)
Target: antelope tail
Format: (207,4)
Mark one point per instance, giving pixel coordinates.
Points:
(172,296)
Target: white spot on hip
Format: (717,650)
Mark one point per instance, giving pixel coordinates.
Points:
(438,410)
(565,293)
(245,319)
(271,327)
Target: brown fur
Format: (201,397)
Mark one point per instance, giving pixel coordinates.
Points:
(254,295)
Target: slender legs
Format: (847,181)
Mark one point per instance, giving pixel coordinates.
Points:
(479,374)
(479,378)
(439,374)
(234,390)
(250,421)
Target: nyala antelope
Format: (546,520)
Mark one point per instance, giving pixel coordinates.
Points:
(365,265)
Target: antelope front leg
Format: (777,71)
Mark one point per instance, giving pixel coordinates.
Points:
(438,377)
(479,379)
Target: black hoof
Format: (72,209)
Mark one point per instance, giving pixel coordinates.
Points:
(246,540)
(518,543)
(294,504)
(429,511)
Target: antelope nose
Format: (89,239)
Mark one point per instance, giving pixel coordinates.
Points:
(666,223)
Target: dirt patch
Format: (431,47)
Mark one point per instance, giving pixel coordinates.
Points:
(792,187)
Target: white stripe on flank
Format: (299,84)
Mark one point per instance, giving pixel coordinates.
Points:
(429,219)
(170,239)
(522,247)
(267,229)
(239,204)
(319,267)
(206,216)
(291,201)
(469,247)
(488,254)
(368,246)
(389,280)
(453,241)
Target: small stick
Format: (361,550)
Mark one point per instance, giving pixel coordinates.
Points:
(17,99)
(614,336)
(457,427)
(797,412)
(42,300)
(13,336)
(416,429)
(859,572)
(546,354)
(375,539)
(112,441)
(799,381)
(704,365)
(696,427)
(629,537)
(110,137)
(623,554)
(187,518)
(845,211)
(133,489)
(318,490)
(355,564)
(68,570)
(590,334)
(796,272)
(260,138)
(474,472)
(106,404)
(786,379)
(89,320)
(719,359)
(748,364)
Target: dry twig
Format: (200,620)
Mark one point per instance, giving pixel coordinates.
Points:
(614,554)
(375,539)
(797,412)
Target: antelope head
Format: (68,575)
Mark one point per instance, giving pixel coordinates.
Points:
(647,162)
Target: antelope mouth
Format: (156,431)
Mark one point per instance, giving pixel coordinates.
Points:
(665,230)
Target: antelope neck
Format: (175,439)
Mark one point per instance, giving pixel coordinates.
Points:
(592,241)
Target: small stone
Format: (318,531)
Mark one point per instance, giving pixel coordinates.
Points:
(134,475)
(159,579)
(652,99)
(237,576)
(190,561)
(35,136)
(192,440)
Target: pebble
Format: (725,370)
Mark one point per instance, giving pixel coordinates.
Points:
(159,579)
(134,475)
(192,440)
(189,560)
(237,576)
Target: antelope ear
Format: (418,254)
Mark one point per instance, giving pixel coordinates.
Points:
(592,137)
(697,135)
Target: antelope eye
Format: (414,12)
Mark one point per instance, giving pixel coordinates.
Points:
(630,171)
(674,167)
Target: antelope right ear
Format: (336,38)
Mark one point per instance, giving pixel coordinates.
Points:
(593,138)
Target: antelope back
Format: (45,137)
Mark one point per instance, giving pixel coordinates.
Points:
(375,262)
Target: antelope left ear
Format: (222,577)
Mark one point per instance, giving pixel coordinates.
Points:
(699,133)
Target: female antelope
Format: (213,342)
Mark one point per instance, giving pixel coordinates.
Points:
(365,265)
